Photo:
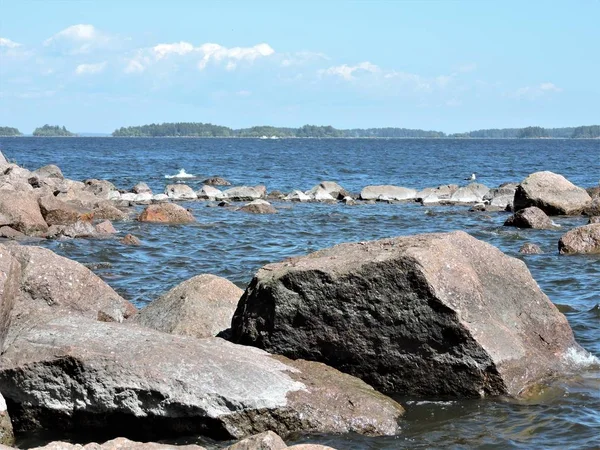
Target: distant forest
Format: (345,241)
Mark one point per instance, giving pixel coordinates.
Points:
(52,131)
(187,129)
(9,131)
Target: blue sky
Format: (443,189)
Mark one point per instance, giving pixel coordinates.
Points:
(445,65)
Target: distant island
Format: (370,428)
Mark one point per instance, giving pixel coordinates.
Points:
(9,131)
(187,129)
(52,131)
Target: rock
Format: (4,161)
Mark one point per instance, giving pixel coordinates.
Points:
(552,193)
(11,233)
(3,160)
(130,239)
(531,217)
(102,189)
(200,307)
(297,196)
(117,444)
(330,187)
(434,314)
(310,447)
(105,210)
(166,213)
(7,436)
(105,227)
(585,239)
(275,195)
(501,197)
(57,212)
(594,208)
(10,281)
(50,171)
(441,192)
(387,192)
(530,249)
(259,207)
(472,193)
(321,195)
(243,193)
(51,285)
(349,201)
(130,197)
(180,192)
(593,192)
(21,211)
(594,219)
(209,193)
(141,188)
(77,374)
(216,181)
(160,198)
(80,229)
(263,441)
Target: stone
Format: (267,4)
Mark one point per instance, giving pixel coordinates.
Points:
(336,191)
(263,441)
(433,314)
(531,217)
(387,192)
(594,207)
(51,285)
(117,444)
(321,195)
(209,193)
(3,160)
(23,213)
(349,201)
(443,192)
(130,239)
(243,194)
(585,239)
(472,193)
(259,207)
(160,198)
(310,447)
(75,374)
(129,197)
(141,188)
(80,229)
(11,233)
(501,197)
(180,192)
(275,195)
(216,181)
(552,193)
(50,171)
(297,196)
(200,307)
(7,436)
(530,249)
(105,227)
(10,281)
(102,189)
(594,219)
(105,210)
(56,212)
(166,213)
(594,191)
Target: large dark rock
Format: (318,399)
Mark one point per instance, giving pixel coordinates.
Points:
(585,239)
(532,217)
(436,314)
(201,307)
(552,193)
(80,375)
(21,211)
(166,213)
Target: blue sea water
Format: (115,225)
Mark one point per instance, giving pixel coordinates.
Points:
(234,245)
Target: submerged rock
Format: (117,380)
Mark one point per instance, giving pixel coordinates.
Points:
(216,181)
(387,192)
(552,193)
(532,217)
(436,314)
(166,213)
(105,227)
(180,192)
(530,249)
(259,207)
(77,374)
(201,307)
(130,239)
(585,239)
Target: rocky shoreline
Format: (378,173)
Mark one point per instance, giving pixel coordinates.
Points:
(314,344)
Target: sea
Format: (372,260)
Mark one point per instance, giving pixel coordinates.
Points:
(233,244)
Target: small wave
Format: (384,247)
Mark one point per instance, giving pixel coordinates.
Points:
(581,358)
(182,174)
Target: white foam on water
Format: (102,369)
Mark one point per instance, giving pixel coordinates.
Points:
(581,358)
(182,174)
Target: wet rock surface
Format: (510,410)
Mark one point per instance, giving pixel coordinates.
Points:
(585,239)
(531,217)
(166,213)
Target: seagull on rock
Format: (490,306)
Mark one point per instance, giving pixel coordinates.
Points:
(471,178)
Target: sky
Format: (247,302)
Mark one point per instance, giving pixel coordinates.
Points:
(451,66)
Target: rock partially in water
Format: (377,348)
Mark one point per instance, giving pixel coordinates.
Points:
(141,188)
(336,191)
(552,193)
(80,375)
(216,181)
(472,193)
(180,192)
(297,196)
(434,314)
(531,217)
(52,286)
(321,195)
(530,249)
(105,227)
(594,208)
(387,192)
(7,436)
(117,444)
(56,212)
(102,189)
(20,210)
(130,239)
(501,197)
(244,193)
(105,210)
(259,207)
(585,239)
(11,233)
(594,219)
(80,229)
(201,307)
(440,193)
(209,193)
(166,213)
(263,441)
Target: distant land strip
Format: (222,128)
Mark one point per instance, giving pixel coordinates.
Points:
(193,129)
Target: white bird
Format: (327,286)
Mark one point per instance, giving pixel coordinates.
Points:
(471,178)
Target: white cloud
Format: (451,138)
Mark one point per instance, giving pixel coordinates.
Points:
(550,87)
(243,93)
(76,39)
(134,66)
(234,55)
(178,48)
(347,72)
(468,67)
(7,43)
(300,58)
(533,92)
(90,69)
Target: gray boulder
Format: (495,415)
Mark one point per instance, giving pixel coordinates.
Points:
(57,212)
(10,281)
(336,191)
(201,307)
(117,444)
(594,219)
(387,192)
(443,192)
(297,196)
(209,193)
(102,189)
(552,193)
(472,193)
(585,239)
(243,193)
(531,217)
(141,188)
(7,436)
(530,249)
(259,207)
(77,374)
(263,441)
(50,171)
(501,197)
(593,209)
(436,314)
(216,181)
(180,192)
(20,210)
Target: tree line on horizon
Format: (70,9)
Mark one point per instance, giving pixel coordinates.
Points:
(193,129)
